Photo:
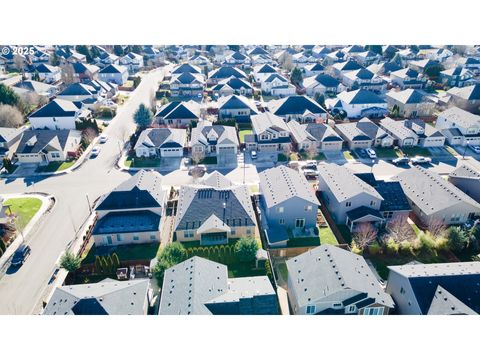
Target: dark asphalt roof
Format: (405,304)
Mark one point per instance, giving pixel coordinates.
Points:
(117,222)
(55,138)
(56,108)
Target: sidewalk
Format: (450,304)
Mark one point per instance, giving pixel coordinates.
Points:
(47,203)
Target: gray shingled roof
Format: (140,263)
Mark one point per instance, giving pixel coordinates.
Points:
(267,120)
(224,134)
(364,129)
(465,171)
(108,297)
(281,183)
(360,96)
(460,117)
(328,271)
(430,192)
(295,105)
(343,183)
(162,138)
(468,92)
(54,139)
(194,286)
(444,303)
(408,96)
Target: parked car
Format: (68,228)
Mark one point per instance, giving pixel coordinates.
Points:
(362,153)
(401,160)
(95,151)
(103,139)
(197,171)
(371,153)
(475,148)
(310,167)
(253,154)
(420,160)
(21,255)
(310,174)
(109,103)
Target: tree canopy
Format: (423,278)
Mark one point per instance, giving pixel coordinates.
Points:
(8,96)
(143,117)
(246,249)
(70,262)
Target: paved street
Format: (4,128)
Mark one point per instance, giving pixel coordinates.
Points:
(20,291)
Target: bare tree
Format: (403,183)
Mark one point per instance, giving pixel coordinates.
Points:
(286,61)
(153,102)
(365,234)
(197,156)
(88,135)
(32,100)
(436,227)
(10,116)
(312,151)
(68,74)
(287,151)
(399,230)
(19,62)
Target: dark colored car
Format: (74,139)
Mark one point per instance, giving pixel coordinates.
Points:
(21,255)
(401,160)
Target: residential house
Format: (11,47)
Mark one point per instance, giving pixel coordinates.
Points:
(340,68)
(58,114)
(328,280)
(187,84)
(224,72)
(236,107)
(439,55)
(261,59)
(457,76)
(334,57)
(8,138)
(35,87)
(48,73)
(107,297)
(78,92)
(358,104)
(201,62)
(435,289)
(349,199)
(467,178)
(214,212)
(408,79)
(288,203)
(257,50)
(366,58)
(161,142)
(313,70)
(297,107)
(460,127)
(466,98)
(314,137)
(131,213)
(263,72)
(363,134)
(214,140)
(363,79)
(132,61)
(238,59)
(233,86)
(45,146)
(198,286)
(179,113)
(84,72)
(117,74)
(105,59)
(470,63)
(277,85)
(434,199)
(270,133)
(410,103)
(322,85)
(421,66)
(412,133)
(186,68)
(384,68)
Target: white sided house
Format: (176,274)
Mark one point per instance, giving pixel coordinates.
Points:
(56,115)
(161,142)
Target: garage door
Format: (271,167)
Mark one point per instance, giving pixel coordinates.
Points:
(226,150)
(172,152)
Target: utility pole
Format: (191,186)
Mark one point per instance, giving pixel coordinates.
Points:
(88,202)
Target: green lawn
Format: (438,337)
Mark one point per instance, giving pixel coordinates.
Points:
(24,209)
(282,269)
(56,166)
(415,151)
(141,162)
(209,160)
(303,241)
(125,252)
(318,157)
(242,134)
(327,236)
(386,152)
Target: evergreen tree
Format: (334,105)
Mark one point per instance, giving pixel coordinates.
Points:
(143,117)
(84,50)
(118,50)
(8,96)
(246,249)
(116,261)
(98,265)
(70,261)
(457,238)
(297,76)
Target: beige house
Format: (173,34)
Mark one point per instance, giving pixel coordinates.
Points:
(411,103)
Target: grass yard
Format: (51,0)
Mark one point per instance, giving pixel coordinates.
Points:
(303,241)
(55,166)
(451,150)
(318,157)
(415,151)
(209,160)
(124,252)
(24,209)
(242,134)
(282,269)
(386,152)
(141,163)
(327,236)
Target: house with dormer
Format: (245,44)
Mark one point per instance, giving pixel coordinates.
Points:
(270,133)
(208,140)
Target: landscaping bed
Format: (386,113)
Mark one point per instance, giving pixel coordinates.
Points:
(142,162)
(124,252)
(387,152)
(209,160)
(415,151)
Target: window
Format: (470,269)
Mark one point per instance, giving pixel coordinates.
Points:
(249,231)
(308,208)
(402,290)
(232,232)
(337,305)
(373,311)
(281,221)
(348,204)
(388,214)
(455,217)
(153,237)
(351,309)
(311,309)
(299,223)
(280,209)
(372,203)
(119,237)
(136,237)
(188,233)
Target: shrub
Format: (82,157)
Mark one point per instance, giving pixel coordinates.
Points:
(355,249)
(70,262)
(159,271)
(391,246)
(406,247)
(374,248)
(246,249)
(457,239)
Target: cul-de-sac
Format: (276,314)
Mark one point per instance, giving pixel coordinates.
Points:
(239,180)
